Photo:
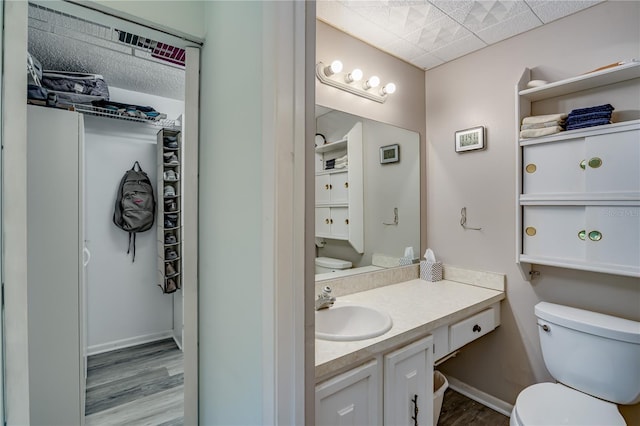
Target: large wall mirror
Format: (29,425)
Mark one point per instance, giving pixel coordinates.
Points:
(367,194)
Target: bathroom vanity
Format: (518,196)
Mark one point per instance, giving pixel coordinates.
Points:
(389,379)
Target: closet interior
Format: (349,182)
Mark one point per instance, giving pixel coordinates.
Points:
(103,94)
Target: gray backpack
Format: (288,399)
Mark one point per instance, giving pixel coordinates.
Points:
(135,208)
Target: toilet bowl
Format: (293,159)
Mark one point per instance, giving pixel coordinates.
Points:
(594,357)
(329,264)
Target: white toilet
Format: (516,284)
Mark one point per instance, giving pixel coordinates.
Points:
(329,264)
(596,360)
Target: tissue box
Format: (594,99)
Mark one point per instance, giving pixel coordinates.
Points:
(405,261)
(430,271)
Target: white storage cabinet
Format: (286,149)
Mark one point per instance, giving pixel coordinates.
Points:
(579,191)
(339,192)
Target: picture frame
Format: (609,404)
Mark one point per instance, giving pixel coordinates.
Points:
(389,154)
(470,139)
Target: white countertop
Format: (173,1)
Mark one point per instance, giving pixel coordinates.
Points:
(417,307)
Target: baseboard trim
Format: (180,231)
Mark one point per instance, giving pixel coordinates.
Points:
(126,343)
(481,397)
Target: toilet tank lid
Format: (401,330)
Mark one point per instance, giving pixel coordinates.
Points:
(330,262)
(590,322)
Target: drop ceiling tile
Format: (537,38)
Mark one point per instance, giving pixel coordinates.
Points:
(440,33)
(345,19)
(456,9)
(398,17)
(510,27)
(427,61)
(485,14)
(459,48)
(549,11)
(403,49)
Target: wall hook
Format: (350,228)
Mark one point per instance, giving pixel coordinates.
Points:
(463,220)
(395,217)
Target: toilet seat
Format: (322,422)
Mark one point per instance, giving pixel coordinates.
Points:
(556,404)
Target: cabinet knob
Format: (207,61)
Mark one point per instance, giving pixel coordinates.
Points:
(583,164)
(326,186)
(476,328)
(326,221)
(330,186)
(346,184)
(530,231)
(346,221)
(330,220)
(531,168)
(595,162)
(582,234)
(595,235)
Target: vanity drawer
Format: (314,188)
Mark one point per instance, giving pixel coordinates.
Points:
(471,328)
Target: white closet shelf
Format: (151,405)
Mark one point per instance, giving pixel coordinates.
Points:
(103,112)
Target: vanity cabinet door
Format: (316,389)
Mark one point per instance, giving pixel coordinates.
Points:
(612,162)
(352,398)
(408,384)
(553,167)
(323,189)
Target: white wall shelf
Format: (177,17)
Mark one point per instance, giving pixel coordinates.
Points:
(583,82)
(571,213)
(332,146)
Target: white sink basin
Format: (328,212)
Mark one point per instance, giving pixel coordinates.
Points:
(351,322)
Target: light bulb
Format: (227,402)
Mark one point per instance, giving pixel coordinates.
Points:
(355,75)
(335,67)
(372,82)
(388,89)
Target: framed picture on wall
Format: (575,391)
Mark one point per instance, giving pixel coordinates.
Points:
(390,154)
(470,139)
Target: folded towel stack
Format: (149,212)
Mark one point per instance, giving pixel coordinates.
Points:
(542,125)
(336,163)
(589,117)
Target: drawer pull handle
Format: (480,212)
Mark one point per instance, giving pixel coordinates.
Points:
(476,328)
(595,235)
(595,162)
(531,168)
(415,410)
(582,234)
(583,164)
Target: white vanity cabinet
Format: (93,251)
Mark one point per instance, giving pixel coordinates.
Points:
(408,384)
(339,191)
(351,398)
(579,191)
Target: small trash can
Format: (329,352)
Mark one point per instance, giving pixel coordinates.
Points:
(440,384)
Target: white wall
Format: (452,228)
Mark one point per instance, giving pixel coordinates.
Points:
(124,304)
(385,186)
(478,89)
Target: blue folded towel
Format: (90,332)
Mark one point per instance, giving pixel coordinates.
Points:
(597,108)
(590,123)
(589,116)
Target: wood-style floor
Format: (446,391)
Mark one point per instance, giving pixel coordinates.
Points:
(141,385)
(458,410)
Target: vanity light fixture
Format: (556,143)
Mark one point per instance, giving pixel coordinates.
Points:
(332,75)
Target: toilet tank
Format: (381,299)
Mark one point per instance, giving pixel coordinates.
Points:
(594,353)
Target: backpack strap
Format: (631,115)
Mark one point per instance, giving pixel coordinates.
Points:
(134,245)
(134,166)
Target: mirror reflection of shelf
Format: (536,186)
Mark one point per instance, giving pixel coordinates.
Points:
(332,146)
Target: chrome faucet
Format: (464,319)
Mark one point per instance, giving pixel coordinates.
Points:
(325,300)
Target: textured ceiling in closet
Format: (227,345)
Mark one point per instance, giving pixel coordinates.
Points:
(64,43)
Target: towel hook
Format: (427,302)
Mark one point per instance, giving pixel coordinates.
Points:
(395,217)
(463,220)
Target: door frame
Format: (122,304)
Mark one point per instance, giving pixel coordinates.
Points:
(14,220)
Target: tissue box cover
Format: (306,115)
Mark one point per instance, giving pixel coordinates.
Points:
(430,271)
